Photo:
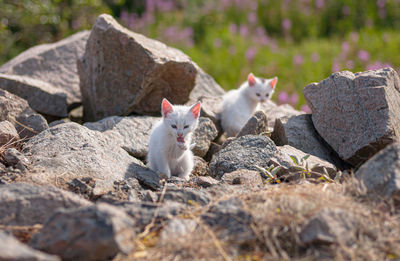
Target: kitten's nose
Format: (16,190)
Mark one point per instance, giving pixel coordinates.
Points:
(262,100)
(180,134)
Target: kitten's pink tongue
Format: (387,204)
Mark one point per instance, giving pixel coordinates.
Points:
(180,139)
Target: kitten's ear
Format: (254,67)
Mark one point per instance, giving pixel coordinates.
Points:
(251,79)
(195,109)
(166,108)
(273,82)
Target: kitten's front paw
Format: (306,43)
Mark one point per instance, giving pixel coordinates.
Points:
(182,146)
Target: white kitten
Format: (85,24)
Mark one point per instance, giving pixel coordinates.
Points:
(239,105)
(170,140)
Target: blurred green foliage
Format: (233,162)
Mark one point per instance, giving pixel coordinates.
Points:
(300,41)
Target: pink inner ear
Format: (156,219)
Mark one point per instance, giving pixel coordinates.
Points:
(166,108)
(196,109)
(251,79)
(273,82)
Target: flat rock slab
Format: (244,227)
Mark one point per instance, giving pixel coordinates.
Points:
(381,174)
(133,133)
(298,131)
(54,64)
(97,232)
(23,204)
(14,109)
(130,133)
(41,96)
(67,151)
(12,249)
(243,153)
(123,72)
(356,114)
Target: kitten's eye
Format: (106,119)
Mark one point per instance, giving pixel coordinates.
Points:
(173,126)
(258,94)
(186,126)
(267,94)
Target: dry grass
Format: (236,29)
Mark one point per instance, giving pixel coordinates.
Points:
(280,212)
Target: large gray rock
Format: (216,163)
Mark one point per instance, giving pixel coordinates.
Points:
(133,133)
(123,72)
(274,111)
(41,96)
(23,204)
(97,232)
(14,250)
(210,108)
(299,132)
(204,134)
(231,221)
(205,85)
(256,125)
(8,133)
(53,63)
(243,153)
(381,173)
(356,114)
(67,151)
(16,110)
(330,226)
(130,133)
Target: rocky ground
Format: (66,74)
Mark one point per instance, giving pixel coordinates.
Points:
(75,122)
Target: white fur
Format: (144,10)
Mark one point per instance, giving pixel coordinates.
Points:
(166,155)
(240,104)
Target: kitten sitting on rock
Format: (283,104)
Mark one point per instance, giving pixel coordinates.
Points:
(240,104)
(170,140)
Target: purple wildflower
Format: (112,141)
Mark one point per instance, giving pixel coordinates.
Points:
(315,57)
(286,24)
(232,28)
(346,10)
(283,97)
(298,59)
(251,53)
(319,4)
(363,55)
(252,17)
(345,47)
(217,43)
(294,99)
(305,108)
(243,30)
(335,67)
